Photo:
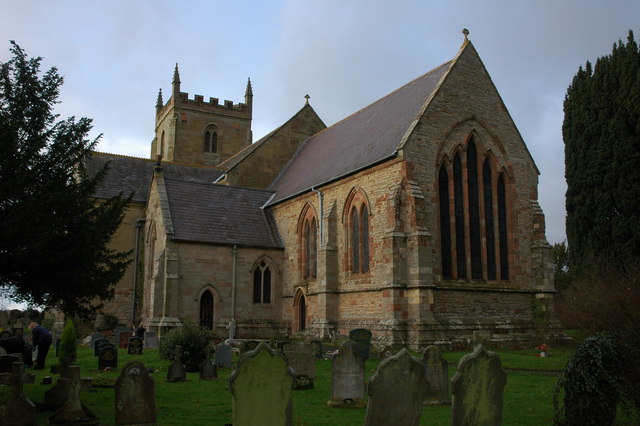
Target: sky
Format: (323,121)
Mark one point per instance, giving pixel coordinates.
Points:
(115,56)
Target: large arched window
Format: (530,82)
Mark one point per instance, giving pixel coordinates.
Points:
(206,310)
(358,233)
(262,283)
(308,240)
(211,139)
(474,221)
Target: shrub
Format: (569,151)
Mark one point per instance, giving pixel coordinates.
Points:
(193,340)
(67,351)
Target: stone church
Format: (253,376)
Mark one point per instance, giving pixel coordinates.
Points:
(415,217)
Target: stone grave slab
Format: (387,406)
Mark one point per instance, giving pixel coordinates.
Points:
(150,339)
(135,395)
(318,352)
(362,337)
(224,355)
(261,388)
(73,411)
(396,391)
(134,347)
(208,370)
(301,359)
(477,388)
(94,338)
(347,377)
(123,339)
(437,370)
(176,372)
(108,357)
(17,409)
(99,343)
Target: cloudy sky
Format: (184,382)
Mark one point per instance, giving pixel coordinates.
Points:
(115,55)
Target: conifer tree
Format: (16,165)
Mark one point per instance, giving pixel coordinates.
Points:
(53,234)
(601,132)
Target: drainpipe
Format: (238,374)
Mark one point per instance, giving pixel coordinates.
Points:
(321,218)
(139,224)
(234,261)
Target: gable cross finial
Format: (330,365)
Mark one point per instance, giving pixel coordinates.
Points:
(307,97)
(466,33)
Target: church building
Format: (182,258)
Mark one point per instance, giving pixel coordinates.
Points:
(415,217)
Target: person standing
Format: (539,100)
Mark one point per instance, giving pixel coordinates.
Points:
(41,339)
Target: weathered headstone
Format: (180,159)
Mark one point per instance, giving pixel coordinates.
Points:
(123,339)
(135,396)
(223,355)
(6,362)
(176,372)
(396,391)
(317,344)
(107,357)
(73,411)
(135,346)
(150,339)
(347,377)
(302,361)
(477,388)
(95,337)
(208,370)
(362,337)
(261,388)
(99,343)
(437,371)
(17,409)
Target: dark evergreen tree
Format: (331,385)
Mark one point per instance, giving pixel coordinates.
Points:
(601,132)
(53,234)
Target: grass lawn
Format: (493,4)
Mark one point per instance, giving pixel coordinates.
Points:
(527,399)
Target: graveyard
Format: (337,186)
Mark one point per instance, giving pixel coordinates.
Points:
(529,382)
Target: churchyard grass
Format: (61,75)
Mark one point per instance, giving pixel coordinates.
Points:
(527,396)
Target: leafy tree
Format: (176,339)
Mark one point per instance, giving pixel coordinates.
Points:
(561,274)
(601,132)
(53,234)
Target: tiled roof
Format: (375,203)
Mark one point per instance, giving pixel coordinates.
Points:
(370,135)
(221,214)
(133,175)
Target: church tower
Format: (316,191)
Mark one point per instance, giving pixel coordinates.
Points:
(192,131)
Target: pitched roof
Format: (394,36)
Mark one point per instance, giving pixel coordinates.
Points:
(133,175)
(220,214)
(367,137)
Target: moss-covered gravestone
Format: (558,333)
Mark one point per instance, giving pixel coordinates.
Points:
(396,391)
(437,371)
(261,387)
(477,389)
(347,377)
(135,396)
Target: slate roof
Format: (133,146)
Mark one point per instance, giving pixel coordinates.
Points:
(221,214)
(367,137)
(133,175)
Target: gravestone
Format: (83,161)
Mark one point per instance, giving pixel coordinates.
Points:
(135,346)
(317,344)
(99,343)
(223,355)
(208,370)
(73,411)
(176,372)
(347,377)
(261,388)
(250,345)
(140,332)
(123,339)
(17,409)
(301,359)
(107,357)
(6,362)
(396,391)
(477,389)
(150,339)
(362,337)
(135,396)
(95,337)
(437,371)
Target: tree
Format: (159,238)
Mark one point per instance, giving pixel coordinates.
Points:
(601,132)
(53,233)
(561,274)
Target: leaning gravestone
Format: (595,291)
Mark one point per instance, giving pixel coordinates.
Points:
(301,359)
(150,339)
(208,370)
(134,347)
(107,357)
(437,371)
(73,411)
(347,377)
(223,355)
(396,391)
(261,388)
(362,337)
(135,396)
(17,409)
(477,389)
(176,372)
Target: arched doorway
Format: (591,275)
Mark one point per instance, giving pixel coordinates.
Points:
(300,312)
(206,310)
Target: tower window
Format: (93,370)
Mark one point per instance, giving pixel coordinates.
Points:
(211,140)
